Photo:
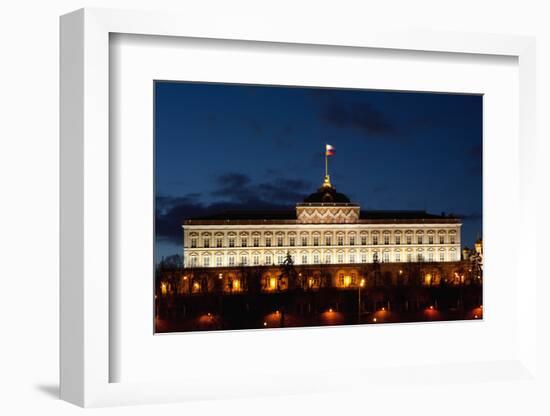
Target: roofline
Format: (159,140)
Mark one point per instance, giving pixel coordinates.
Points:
(295,222)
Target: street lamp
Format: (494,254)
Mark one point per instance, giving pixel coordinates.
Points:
(361,284)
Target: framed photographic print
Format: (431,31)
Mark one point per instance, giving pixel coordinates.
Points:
(284,213)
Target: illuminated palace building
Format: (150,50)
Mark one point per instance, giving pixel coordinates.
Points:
(325,229)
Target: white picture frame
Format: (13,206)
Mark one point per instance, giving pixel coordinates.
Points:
(85,355)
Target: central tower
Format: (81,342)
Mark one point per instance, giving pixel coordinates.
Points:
(326,206)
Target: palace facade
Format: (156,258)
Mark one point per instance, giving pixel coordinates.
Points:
(326,228)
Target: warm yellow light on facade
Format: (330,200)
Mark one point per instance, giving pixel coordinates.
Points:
(163,289)
(184,277)
(400,271)
(220,276)
(362,282)
(272,283)
(347,281)
(236,284)
(428,278)
(196,285)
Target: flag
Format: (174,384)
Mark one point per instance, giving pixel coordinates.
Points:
(329,151)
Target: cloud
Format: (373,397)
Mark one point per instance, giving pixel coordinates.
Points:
(360,116)
(235,191)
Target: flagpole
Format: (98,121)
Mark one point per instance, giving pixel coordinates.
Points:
(326,164)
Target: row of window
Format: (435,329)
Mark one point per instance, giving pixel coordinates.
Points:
(316,258)
(420,239)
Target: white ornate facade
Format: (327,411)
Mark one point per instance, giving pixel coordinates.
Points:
(326,228)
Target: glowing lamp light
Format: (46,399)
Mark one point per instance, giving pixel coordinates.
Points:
(383,308)
(373,319)
(362,282)
(220,276)
(265,323)
(330,310)
(272,283)
(209,314)
(431,307)
(277,312)
(400,271)
(184,277)
(475,316)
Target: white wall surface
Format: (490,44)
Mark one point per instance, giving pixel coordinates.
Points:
(29,171)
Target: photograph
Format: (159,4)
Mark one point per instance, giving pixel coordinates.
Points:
(291,206)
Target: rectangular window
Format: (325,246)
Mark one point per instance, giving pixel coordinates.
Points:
(340,240)
(340,258)
(375,257)
(328,240)
(409,257)
(316,258)
(206,243)
(363,240)
(375,240)
(442,256)
(409,239)
(280,259)
(441,239)
(328,259)
(452,239)
(244,242)
(315,241)
(231,260)
(304,241)
(206,262)
(430,256)
(231,241)
(219,261)
(397,239)
(386,239)
(430,239)
(304,258)
(268,241)
(292,241)
(352,257)
(256,260)
(398,257)
(194,261)
(363,257)
(193,243)
(268,260)
(219,242)
(386,257)
(420,257)
(280,241)
(244,260)
(419,239)
(256,241)
(351,240)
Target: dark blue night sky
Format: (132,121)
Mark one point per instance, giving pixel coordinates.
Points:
(221,146)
